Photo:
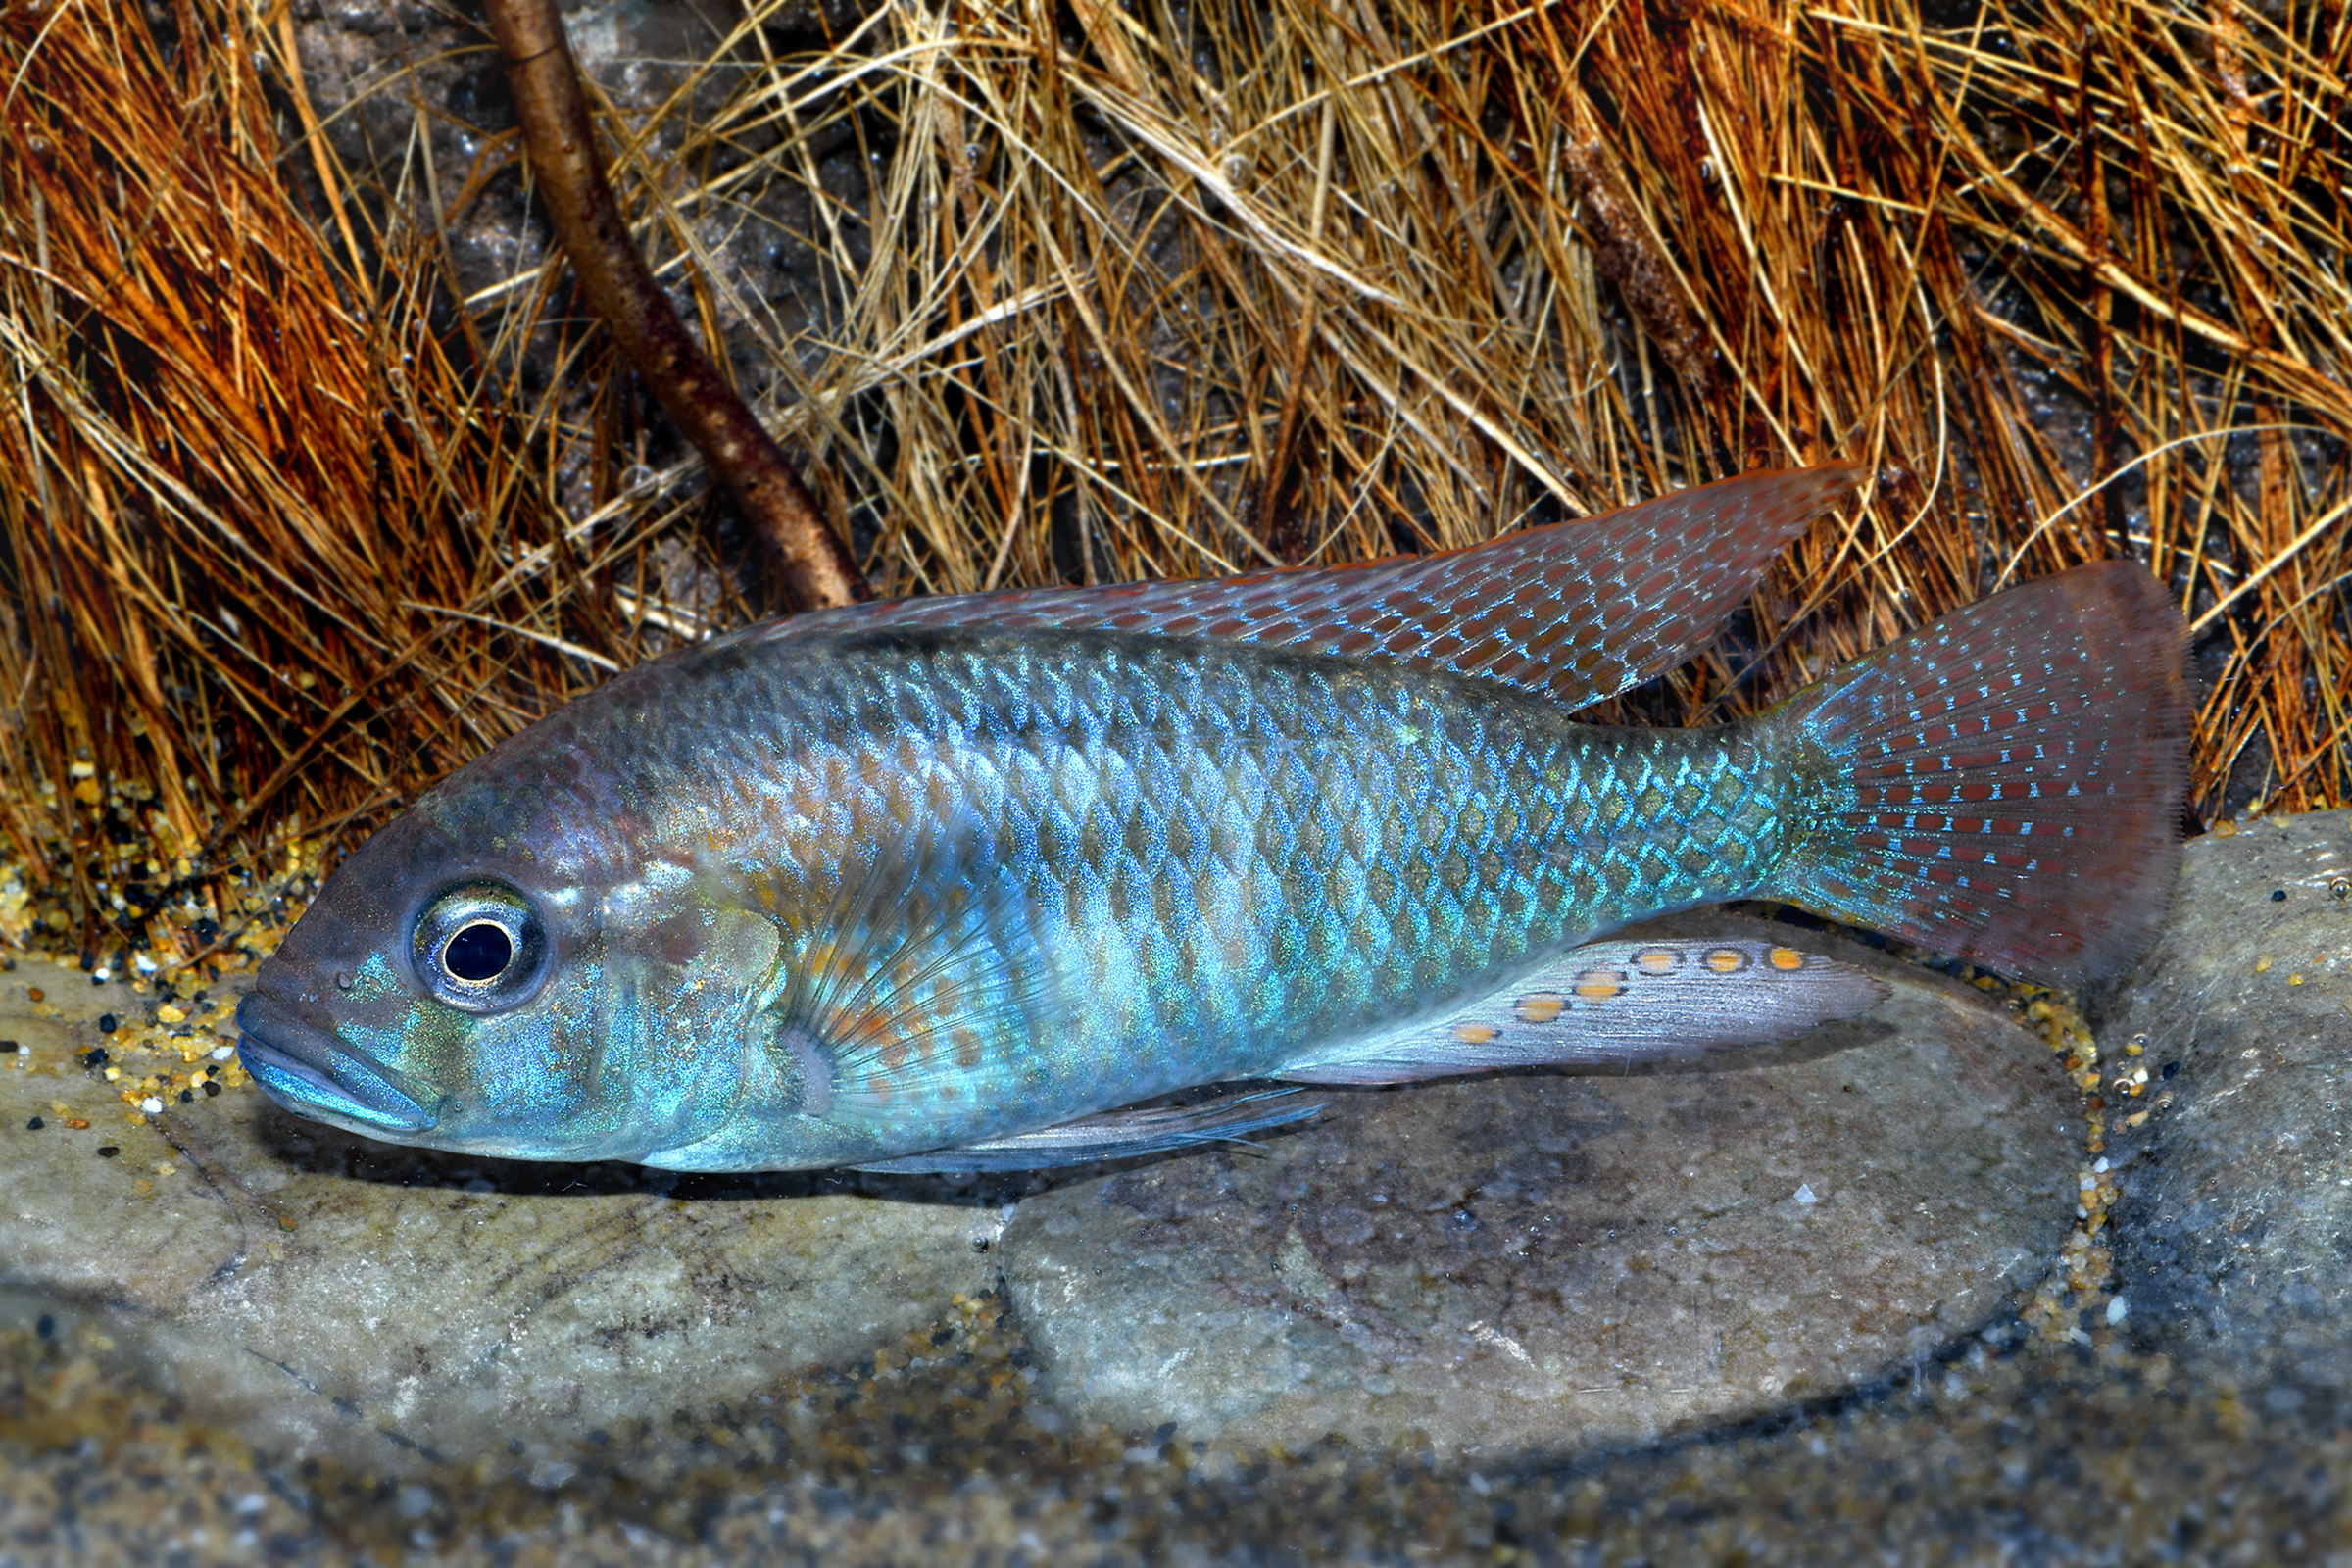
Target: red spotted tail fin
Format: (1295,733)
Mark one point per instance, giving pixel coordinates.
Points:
(2004,785)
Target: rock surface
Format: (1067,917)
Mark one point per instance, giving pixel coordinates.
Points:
(321,1294)
(2233,1231)
(1540,1261)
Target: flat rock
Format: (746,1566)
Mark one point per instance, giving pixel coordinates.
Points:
(2233,1225)
(1542,1261)
(321,1294)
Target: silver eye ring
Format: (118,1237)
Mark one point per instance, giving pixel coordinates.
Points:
(480,947)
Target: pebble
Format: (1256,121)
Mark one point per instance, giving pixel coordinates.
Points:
(321,1295)
(2236,1187)
(1546,1261)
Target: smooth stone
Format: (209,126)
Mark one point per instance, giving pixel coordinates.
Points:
(2232,1235)
(1544,1261)
(318,1294)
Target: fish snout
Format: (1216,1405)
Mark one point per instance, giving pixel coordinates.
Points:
(304,1066)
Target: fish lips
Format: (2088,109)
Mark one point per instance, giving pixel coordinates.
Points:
(314,1077)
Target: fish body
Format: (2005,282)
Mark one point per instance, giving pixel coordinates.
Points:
(860,889)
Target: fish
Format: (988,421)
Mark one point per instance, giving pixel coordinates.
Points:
(990,882)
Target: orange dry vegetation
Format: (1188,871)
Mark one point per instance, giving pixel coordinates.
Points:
(1142,290)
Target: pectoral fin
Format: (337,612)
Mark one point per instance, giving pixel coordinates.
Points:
(1613,1004)
(921,992)
(1113,1135)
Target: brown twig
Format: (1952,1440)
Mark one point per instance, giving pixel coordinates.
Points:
(815,569)
(1629,259)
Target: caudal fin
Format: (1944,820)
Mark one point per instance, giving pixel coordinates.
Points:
(2004,785)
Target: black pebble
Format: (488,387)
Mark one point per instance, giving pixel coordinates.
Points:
(2170,1069)
(36,1125)
(10,1046)
(45,1326)
(186,1095)
(95,1058)
(109,1150)
(106,1020)
(2278,894)
(212,1090)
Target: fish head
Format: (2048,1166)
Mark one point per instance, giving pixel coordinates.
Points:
(519,983)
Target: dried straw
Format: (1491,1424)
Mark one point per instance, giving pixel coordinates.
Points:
(1142,290)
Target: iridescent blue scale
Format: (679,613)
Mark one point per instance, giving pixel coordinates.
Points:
(1221,858)
(940,885)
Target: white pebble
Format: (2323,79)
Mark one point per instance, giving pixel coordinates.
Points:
(223,1052)
(1804,1195)
(2118,1310)
(150,1105)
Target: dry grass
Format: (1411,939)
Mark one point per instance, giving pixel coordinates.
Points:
(1155,290)
(262,524)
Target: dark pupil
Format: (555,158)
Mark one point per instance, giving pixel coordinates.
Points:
(481,951)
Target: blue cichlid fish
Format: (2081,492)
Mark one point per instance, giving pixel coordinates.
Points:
(942,884)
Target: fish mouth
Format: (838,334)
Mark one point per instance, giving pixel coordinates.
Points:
(313,1077)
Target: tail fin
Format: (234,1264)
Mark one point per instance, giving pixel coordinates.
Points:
(2004,785)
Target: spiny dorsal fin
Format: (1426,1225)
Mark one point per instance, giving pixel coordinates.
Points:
(1576,610)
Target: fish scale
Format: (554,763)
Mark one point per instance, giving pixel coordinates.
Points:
(1330,845)
(956,884)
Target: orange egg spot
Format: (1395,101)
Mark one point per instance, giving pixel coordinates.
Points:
(894,1056)
(1598,985)
(967,1046)
(1788,959)
(1540,1007)
(1726,961)
(1656,961)
(1474,1034)
(877,1089)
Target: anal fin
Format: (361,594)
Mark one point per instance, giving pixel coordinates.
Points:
(1611,1003)
(1113,1135)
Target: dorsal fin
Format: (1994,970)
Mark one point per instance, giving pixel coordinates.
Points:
(1575,610)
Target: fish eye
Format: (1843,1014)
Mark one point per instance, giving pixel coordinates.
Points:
(478,953)
(481,947)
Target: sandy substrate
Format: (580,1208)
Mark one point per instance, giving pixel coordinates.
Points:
(2021,1455)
